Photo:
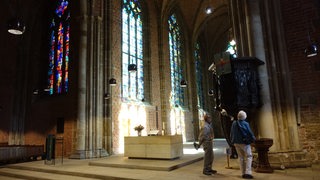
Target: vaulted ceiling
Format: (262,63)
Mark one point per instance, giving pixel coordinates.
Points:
(213,30)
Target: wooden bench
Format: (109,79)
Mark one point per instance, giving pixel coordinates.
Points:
(20,153)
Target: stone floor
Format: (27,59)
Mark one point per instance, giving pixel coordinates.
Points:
(188,167)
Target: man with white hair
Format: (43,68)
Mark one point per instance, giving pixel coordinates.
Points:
(240,134)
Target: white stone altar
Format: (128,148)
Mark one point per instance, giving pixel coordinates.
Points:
(159,147)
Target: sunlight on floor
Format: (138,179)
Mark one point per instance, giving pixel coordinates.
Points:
(189,149)
(219,142)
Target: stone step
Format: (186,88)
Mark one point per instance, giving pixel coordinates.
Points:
(15,174)
(9,178)
(20,171)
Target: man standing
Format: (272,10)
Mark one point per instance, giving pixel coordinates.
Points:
(240,132)
(206,140)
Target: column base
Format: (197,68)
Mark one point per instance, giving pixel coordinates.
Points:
(79,154)
(88,154)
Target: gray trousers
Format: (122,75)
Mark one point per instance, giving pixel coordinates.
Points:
(208,156)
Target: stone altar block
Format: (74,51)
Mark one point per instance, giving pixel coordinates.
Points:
(158,147)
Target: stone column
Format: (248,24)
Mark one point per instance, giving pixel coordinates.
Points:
(266,126)
(17,122)
(90,124)
(82,21)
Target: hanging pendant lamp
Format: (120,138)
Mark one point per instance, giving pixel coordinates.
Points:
(16,26)
(112,82)
(311,50)
(132,68)
(106,96)
(183,83)
(209,9)
(211,92)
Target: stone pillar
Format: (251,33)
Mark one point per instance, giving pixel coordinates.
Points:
(82,21)
(265,125)
(90,124)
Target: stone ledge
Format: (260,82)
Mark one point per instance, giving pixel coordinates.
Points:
(283,160)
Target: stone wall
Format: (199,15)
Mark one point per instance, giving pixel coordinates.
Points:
(301,19)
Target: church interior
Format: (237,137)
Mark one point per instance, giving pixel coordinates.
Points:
(93,73)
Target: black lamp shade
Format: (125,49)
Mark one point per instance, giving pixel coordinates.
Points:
(183,83)
(211,92)
(132,68)
(311,50)
(16,27)
(106,96)
(112,82)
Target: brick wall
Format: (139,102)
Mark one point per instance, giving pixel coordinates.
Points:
(301,17)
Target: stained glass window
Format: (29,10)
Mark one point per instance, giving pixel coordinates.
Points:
(58,81)
(199,77)
(132,50)
(232,48)
(175,48)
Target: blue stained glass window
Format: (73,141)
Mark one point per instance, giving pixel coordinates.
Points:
(199,77)
(175,48)
(58,81)
(132,50)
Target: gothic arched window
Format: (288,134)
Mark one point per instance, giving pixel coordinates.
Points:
(199,78)
(175,48)
(58,80)
(132,51)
